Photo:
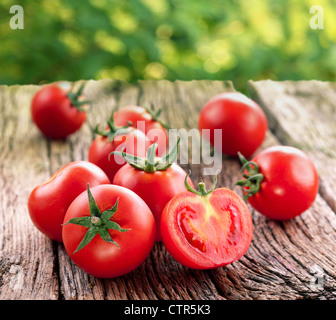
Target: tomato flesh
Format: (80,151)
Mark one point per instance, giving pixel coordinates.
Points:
(155,188)
(207,232)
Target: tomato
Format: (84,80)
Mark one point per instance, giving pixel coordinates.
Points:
(147,121)
(242,122)
(281,182)
(115,139)
(206,229)
(57,112)
(156,182)
(108,231)
(49,201)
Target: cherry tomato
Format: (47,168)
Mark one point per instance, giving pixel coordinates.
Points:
(155,180)
(147,121)
(281,182)
(108,231)
(49,201)
(206,229)
(57,112)
(115,139)
(242,122)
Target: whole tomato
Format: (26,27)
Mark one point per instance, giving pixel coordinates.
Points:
(155,180)
(280,182)
(58,112)
(49,201)
(206,229)
(115,138)
(147,121)
(237,120)
(108,231)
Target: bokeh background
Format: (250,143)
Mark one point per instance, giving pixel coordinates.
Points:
(167,39)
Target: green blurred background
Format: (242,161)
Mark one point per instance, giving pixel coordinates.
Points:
(167,39)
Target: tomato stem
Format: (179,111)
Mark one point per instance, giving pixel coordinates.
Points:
(74,96)
(203,192)
(253,177)
(112,130)
(155,117)
(97,223)
(151,163)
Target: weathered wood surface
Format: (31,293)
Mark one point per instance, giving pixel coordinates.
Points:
(284,258)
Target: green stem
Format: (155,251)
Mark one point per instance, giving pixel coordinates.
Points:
(74,96)
(112,130)
(155,117)
(253,177)
(203,192)
(151,163)
(97,223)
(150,159)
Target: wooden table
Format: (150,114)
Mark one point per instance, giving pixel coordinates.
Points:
(287,260)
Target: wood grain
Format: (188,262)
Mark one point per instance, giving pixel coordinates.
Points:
(283,261)
(303,114)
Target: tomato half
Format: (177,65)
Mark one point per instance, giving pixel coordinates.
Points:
(281,182)
(57,112)
(49,201)
(155,183)
(147,121)
(115,139)
(241,121)
(205,230)
(108,231)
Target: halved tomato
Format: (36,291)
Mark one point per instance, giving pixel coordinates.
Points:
(206,229)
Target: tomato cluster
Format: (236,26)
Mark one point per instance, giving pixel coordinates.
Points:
(110,210)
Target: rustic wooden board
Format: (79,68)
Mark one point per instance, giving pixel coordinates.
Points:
(280,264)
(303,114)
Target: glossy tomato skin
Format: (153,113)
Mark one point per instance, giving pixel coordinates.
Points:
(206,232)
(242,121)
(49,201)
(103,259)
(53,114)
(290,183)
(156,188)
(135,141)
(143,121)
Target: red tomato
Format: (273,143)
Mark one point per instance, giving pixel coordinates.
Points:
(108,231)
(242,122)
(281,182)
(146,121)
(49,201)
(115,139)
(57,112)
(155,184)
(206,229)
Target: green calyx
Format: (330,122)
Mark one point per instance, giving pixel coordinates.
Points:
(74,98)
(155,116)
(203,192)
(97,223)
(112,130)
(252,175)
(151,163)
